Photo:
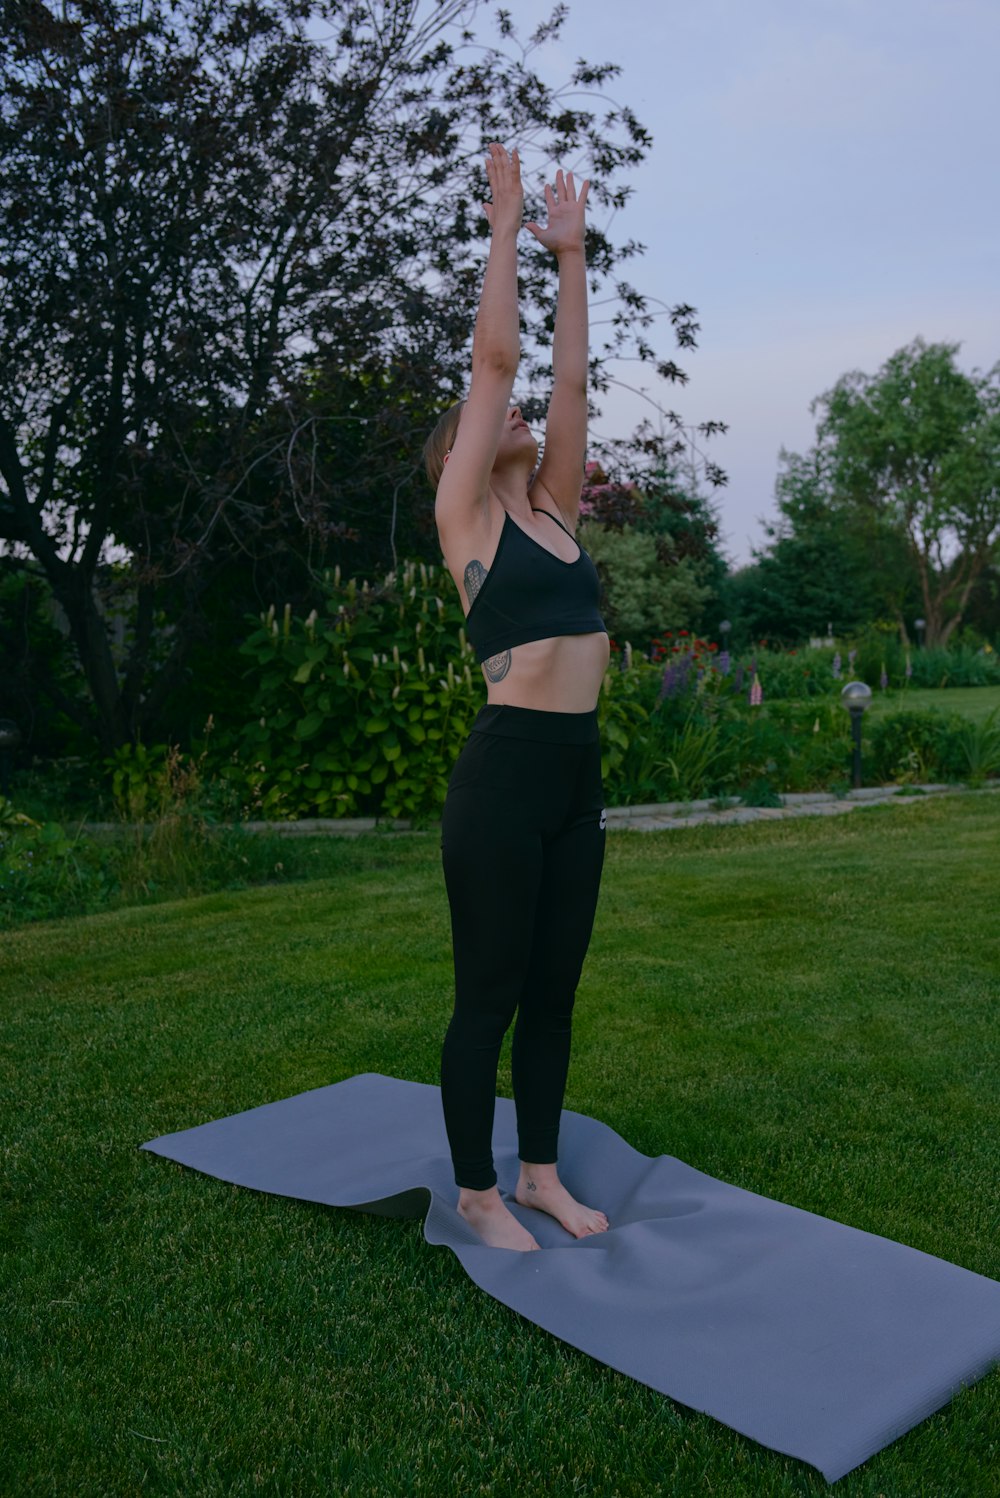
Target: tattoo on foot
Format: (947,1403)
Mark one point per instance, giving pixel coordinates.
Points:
(497,666)
(530,1186)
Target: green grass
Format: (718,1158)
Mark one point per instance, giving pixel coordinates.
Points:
(805,1008)
(974,703)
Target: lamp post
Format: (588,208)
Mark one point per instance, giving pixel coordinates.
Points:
(918,625)
(855,697)
(10,737)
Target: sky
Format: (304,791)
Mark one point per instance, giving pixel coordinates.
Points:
(822,186)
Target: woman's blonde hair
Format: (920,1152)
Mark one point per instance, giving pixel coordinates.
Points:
(440,442)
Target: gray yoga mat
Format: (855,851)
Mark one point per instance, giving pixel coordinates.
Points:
(815,1339)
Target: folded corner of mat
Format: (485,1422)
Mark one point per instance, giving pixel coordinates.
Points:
(818,1340)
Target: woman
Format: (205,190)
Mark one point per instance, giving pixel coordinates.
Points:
(523,824)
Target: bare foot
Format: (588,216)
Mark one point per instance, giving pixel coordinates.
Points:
(489,1216)
(548,1194)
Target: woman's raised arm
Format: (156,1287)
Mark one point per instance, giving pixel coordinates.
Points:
(560,474)
(496,349)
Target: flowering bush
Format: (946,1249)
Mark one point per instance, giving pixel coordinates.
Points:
(357,709)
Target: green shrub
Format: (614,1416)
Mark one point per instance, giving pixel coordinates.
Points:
(962,664)
(360,711)
(907,747)
(44,871)
(184,847)
(796,674)
(977,749)
(639,592)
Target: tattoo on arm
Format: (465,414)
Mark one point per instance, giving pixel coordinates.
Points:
(497,666)
(475,576)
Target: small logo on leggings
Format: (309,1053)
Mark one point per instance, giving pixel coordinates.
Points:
(604,820)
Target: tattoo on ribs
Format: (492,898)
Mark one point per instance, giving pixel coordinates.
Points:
(475,576)
(497,666)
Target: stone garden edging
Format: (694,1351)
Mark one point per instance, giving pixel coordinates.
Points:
(656,817)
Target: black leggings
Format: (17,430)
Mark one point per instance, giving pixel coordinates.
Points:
(522,839)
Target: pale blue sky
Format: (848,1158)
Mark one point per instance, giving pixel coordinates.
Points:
(822,187)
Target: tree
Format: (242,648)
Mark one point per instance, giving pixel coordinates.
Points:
(824,564)
(655,542)
(642,596)
(213,211)
(911,456)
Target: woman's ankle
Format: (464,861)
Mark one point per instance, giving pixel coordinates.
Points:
(468,1196)
(544,1175)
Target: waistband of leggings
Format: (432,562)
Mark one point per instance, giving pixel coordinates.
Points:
(532,723)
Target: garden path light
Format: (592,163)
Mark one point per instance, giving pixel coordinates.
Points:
(855,697)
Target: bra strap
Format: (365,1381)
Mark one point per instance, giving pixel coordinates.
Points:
(558,522)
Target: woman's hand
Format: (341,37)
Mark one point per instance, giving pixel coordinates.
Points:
(565,228)
(506,210)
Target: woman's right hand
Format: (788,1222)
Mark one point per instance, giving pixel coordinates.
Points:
(506,211)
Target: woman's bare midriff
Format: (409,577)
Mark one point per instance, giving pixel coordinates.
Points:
(559,675)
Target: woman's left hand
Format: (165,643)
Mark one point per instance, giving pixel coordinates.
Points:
(565,228)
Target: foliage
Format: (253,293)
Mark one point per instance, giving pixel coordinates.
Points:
(703,738)
(692,763)
(640,594)
(649,498)
(359,710)
(243,248)
(963,666)
(10,818)
(908,747)
(979,749)
(189,844)
(625,716)
(824,566)
(916,448)
(34,654)
(905,471)
(42,868)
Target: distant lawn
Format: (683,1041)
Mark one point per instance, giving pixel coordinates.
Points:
(805,1008)
(972,702)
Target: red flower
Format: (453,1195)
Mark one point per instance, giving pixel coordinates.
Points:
(683,631)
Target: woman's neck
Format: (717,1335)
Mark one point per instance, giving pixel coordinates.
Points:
(510,487)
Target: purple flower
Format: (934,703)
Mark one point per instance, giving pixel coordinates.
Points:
(836,664)
(724,663)
(738,678)
(850,659)
(675,677)
(883,680)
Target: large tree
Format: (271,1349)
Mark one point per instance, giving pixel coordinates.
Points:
(213,213)
(824,564)
(910,458)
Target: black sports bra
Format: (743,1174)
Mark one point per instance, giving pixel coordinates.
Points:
(531,594)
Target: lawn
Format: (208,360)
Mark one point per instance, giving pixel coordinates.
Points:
(974,703)
(805,1008)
